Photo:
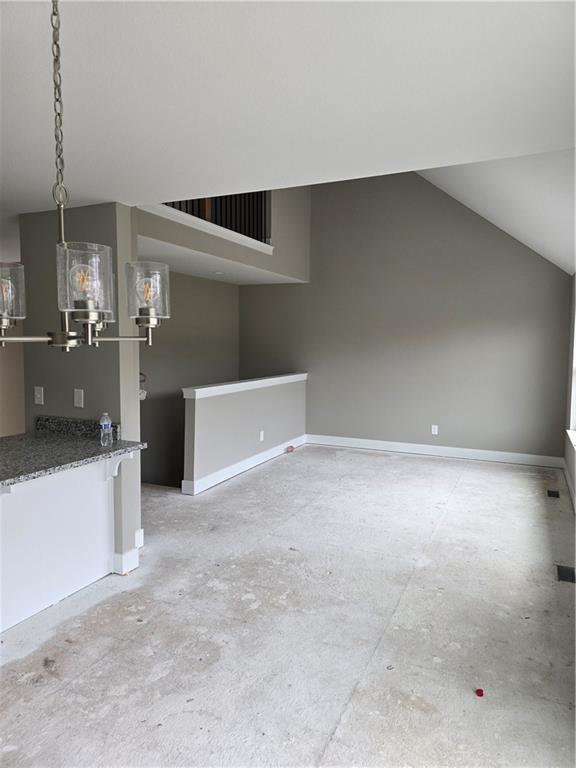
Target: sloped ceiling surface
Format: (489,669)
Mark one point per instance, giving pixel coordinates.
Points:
(530,198)
(167,101)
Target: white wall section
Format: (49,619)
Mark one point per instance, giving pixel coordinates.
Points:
(228,388)
(250,96)
(56,536)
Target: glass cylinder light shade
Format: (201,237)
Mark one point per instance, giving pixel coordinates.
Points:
(148,286)
(85,278)
(12,298)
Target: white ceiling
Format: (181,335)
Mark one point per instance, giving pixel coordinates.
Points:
(189,262)
(168,101)
(530,198)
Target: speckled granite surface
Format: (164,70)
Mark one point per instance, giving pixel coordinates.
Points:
(35,454)
(64,425)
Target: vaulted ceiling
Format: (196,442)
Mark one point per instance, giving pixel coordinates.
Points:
(168,101)
(530,198)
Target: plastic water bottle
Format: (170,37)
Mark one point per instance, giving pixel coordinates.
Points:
(106,436)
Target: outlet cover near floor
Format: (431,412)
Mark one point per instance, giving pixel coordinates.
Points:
(435,429)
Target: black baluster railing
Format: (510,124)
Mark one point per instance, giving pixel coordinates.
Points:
(248,214)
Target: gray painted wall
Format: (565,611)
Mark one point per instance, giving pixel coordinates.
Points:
(199,345)
(12,418)
(419,312)
(108,375)
(290,230)
(569,452)
(224,430)
(96,371)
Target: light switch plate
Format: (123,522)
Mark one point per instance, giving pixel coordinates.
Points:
(78,398)
(38,395)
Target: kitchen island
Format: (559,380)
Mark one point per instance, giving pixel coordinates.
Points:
(56,517)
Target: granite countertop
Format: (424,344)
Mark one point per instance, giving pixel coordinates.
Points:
(35,454)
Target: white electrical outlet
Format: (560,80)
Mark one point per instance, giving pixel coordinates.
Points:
(434,429)
(38,395)
(261,435)
(78,398)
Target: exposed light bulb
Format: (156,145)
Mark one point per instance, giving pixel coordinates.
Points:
(85,280)
(84,283)
(148,290)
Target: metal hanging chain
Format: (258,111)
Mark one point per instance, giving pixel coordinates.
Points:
(59,191)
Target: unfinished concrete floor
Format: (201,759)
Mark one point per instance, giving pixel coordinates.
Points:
(332,607)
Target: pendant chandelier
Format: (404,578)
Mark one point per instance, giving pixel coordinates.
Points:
(86,285)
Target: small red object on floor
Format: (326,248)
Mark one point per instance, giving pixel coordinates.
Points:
(479,692)
(290,449)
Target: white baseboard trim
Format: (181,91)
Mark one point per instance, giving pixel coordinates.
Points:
(194,487)
(124,562)
(437,450)
(139,538)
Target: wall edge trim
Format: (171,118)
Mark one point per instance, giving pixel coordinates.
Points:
(228,388)
(124,562)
